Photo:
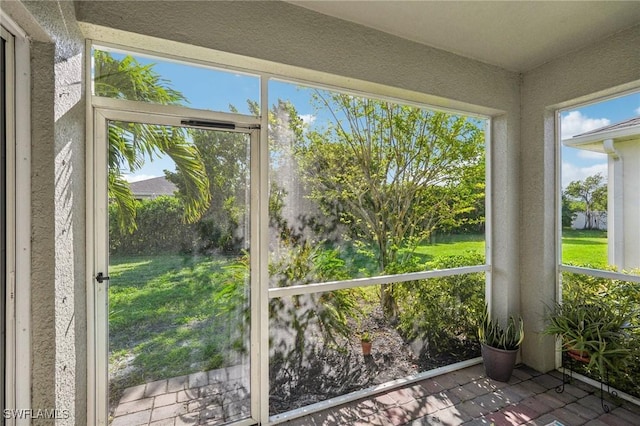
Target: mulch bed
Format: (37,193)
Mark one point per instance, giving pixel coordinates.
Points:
(336,370)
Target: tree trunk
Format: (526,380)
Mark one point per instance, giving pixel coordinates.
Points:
(388,302)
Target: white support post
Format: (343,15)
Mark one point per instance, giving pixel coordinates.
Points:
(615,206)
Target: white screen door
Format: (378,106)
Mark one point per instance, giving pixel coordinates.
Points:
(174,317)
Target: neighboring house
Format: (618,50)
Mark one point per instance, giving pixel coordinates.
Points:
(598,219)
(621,143)
(152,188)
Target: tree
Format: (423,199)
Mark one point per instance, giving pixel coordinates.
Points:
(591,196)
(131,144)
(568,211)
(290,210)
(225,155)
(392,174)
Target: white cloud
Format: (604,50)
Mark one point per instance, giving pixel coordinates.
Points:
(592,155)
(637,110)
(308,119)
(571,172)
(574,123)
(136,178)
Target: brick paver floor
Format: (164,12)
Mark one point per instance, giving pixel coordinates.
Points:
(205,398)
(467,397)
(463,397)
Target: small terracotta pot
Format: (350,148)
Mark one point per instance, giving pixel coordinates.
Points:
(366,348)
(580,356)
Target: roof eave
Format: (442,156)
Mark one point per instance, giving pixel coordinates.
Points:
(594,141)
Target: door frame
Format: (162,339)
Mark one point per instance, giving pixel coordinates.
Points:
(17,365)
(7,311)
(104,110)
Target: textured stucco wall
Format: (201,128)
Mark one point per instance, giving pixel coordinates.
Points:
(608,67)
(287,34)
(58,306)
(43,339)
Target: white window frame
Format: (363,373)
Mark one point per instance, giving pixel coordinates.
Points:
(561,267)
(169,50)
(18,221)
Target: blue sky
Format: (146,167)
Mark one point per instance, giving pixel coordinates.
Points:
(206,88)
(215,90)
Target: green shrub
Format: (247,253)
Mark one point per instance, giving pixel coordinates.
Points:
(308,263)
(160,229)
(308,328)
(443,311)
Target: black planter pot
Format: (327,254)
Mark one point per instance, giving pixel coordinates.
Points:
(498,363)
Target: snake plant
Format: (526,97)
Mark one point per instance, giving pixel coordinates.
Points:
(491,332)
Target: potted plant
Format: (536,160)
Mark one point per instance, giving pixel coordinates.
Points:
(592,331)
(365,341)
(499,345)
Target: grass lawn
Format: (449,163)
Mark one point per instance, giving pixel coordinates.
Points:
(584,247)
(579,247)
(449,245)
(169,315)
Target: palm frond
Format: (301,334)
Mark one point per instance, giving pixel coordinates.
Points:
(131,144)
(120,194)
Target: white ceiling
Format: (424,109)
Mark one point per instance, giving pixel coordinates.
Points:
(516,35)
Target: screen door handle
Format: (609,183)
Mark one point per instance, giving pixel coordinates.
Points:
(101,278)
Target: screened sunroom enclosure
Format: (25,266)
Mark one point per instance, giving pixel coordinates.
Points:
(290,237)
(257,263)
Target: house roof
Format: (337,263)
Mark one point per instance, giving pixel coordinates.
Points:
(618,132)
(153,187)
(615,126)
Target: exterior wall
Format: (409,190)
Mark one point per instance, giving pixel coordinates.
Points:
(598,220)
(43,341)
(630,156)
(615,197)
(606,68)
(58,307)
